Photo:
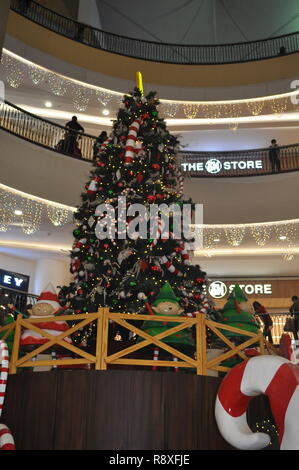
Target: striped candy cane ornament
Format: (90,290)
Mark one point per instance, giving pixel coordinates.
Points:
(169,265)
(6,439)
(130,149)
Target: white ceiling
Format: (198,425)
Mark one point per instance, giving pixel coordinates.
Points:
(198,21)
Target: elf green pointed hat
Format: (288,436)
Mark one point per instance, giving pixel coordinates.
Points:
(236,297)
(166,294)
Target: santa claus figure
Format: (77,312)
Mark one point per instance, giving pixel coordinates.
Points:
(47,305)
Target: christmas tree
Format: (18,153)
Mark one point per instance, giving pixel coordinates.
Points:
(139,163)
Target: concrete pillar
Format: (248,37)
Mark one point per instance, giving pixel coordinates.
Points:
(4,9)
(51,270)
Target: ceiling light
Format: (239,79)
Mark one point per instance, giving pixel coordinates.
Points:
(282,237)
(216,240)
(105,112)
(18,212)
(48,104)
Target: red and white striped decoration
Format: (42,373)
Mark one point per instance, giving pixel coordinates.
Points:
(4,372)
(6,439)
(169,265)
(105,143)
(273,376)
(180,179)
(185,256)
(130,149)
(204,305)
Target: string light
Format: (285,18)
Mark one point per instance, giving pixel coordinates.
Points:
(235,235)
(261,234)
(16,69)
(14,203)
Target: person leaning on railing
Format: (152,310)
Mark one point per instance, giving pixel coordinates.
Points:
(71,139)
(265,318)
(294,310)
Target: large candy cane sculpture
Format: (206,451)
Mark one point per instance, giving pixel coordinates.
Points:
(6,439)
(273,376)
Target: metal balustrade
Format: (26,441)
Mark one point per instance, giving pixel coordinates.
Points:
(154,51)
(194,164)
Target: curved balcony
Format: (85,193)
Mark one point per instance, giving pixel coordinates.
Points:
(159,52)
(252,162)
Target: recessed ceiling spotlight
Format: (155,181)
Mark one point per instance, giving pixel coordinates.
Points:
(18,212)
(48,104)
(105,112)
(282,237)
(216,240)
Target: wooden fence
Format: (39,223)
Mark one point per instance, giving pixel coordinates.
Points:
(101,359)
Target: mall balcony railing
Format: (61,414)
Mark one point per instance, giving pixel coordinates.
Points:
(154,51)
(194,164)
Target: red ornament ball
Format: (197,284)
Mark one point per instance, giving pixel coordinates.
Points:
(151,198)
(156,167)
(155,268)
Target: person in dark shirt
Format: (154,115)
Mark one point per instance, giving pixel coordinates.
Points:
(74,128)
(274,153)
(294,310)
(264,316)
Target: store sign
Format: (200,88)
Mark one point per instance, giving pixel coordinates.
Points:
(14,280)
(214,166)
(220,289)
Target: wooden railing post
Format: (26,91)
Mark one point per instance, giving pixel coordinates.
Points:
(105,327)
(262,342)
(99,339)
(201,347)
(16,346)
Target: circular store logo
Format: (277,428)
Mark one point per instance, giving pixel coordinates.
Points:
(217,289)
(213,166)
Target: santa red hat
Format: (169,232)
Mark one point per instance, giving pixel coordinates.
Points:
(49,296)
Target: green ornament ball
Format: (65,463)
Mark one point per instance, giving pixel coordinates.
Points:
(77,233)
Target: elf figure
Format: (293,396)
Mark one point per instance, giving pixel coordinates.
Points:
(47,305)
(236,313)
(167,304)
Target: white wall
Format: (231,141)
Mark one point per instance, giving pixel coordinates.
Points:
(41,172)
(51,270)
